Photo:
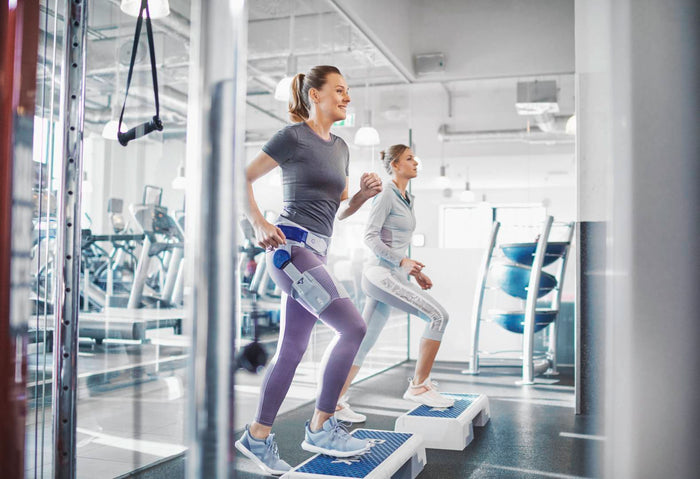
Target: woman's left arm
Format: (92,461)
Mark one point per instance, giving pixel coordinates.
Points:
(370,186)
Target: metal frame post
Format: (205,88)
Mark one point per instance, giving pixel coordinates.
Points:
(479,300)
(531,303)
(68,258)
(556,305)
(215,157)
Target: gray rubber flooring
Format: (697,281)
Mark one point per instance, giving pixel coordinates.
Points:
(523,439)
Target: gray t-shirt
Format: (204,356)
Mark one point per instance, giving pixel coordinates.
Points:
(314,173)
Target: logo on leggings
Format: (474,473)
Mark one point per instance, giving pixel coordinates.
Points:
(301,281)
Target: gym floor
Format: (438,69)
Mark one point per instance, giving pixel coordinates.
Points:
(533,431)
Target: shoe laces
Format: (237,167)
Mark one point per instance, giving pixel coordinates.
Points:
(428,383)
(340,430)
(272,447)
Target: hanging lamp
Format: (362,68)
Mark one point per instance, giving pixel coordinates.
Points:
(157,8)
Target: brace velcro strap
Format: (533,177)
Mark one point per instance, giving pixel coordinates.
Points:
(301,235)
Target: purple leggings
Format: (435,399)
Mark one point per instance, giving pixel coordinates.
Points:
(296,325)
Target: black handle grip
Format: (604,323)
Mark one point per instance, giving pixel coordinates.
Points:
(138,131)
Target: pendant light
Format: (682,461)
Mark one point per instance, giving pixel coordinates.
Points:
(443,181)
(156,8)
(284,87)
(109,132)
(180,181)
(467,194)
(367,135)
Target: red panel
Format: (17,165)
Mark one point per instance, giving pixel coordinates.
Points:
(19,27)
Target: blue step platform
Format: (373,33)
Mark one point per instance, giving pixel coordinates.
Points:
(447,428)
(393,455)
(515,280)
(524,253)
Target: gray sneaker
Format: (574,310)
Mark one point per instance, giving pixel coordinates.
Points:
(263,453)
(333,440)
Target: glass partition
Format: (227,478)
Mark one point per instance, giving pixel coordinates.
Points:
(133,353)
(46,166)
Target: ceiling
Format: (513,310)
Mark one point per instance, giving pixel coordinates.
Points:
(371,43)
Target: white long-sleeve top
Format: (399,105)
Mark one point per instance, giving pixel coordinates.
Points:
(390,226)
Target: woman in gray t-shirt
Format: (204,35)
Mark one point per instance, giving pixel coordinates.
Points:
(314,165)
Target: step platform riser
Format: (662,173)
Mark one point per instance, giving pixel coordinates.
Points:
(447,428)
(393,455)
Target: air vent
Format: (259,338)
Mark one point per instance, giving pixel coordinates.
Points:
(537,98)
(427,63)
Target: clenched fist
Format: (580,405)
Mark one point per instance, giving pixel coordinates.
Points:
(370,185)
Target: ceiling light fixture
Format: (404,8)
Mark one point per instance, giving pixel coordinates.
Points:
(571,125)
(86,185)
(284,87)
(156,8)
(180,181)
(443,180)
(467,194)
(419,162)
(109,132)
(367,135)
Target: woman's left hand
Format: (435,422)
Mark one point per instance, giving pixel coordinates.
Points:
(423,281)
(370,185)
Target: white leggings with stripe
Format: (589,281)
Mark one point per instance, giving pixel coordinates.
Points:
(388,288)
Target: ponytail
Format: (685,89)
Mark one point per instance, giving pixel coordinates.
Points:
(299,105)
(298,111)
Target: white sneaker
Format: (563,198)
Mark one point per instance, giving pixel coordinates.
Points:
(346,414)
(430,397)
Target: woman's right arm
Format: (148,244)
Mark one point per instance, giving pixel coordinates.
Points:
(267,234)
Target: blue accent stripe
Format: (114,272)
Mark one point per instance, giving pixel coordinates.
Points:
(293,233)
(462,403)
(385,444)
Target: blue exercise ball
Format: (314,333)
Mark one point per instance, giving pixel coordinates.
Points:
(514,321)
(515,279)
(524,253)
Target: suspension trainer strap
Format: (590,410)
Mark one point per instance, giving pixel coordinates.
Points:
(154,124)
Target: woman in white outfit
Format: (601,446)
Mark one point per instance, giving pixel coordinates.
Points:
(387,282)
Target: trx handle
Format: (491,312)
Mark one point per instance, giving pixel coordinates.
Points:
(155,124)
